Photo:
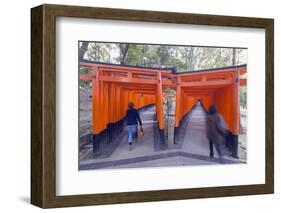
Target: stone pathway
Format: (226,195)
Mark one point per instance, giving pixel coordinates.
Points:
(195,140)
(193,151)
(143,145)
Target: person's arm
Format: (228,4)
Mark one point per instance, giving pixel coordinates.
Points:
(139,120)
(222,126)
(126,118)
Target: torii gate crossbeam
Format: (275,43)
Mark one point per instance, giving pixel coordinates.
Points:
(113,86)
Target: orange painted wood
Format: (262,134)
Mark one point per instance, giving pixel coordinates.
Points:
(236,101)
(86,77)
(178,103)
(160,102)
(243,82)
(114,86)
(207,83)
(95,101)
(128,80)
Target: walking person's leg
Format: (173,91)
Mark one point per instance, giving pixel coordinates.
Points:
(211,147)
(130,136)
(134,132)
(235,148)
(219,151)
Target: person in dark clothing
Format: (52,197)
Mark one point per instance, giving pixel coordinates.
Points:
(216,132)
(132,120)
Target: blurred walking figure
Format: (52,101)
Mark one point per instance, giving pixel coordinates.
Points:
(216,132)
(132,119)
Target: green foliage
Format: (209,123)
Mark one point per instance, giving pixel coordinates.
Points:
(185,58)
(82,83)
(134,55)
(84,71)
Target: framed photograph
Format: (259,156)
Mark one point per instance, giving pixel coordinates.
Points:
(136,106)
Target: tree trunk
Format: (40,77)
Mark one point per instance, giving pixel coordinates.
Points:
(233,56)
(123,52)
(83,49)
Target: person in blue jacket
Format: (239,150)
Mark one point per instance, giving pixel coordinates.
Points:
(132,120)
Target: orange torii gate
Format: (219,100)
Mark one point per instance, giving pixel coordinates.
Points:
(213,86)
(113,86)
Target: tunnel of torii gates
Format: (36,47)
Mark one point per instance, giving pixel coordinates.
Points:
(114,86)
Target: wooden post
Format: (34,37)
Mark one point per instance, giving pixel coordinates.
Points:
(178,103)
(236,113)
(95,109)
(236,101)
(160,101)
(111,103)
(177,110)
(95,100)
